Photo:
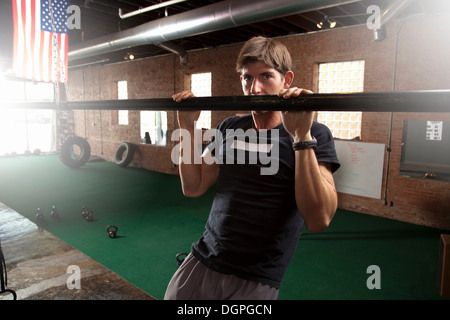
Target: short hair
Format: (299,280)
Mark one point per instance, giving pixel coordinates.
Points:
(269,51)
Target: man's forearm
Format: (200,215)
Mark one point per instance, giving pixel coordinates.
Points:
(197,175)
(314,191)
(190,167)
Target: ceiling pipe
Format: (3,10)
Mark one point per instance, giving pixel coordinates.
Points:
(172,47)
(391,11)
(218,16)
(147,9)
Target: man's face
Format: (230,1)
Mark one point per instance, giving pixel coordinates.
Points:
(257,78)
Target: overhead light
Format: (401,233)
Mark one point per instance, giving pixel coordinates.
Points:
(129,56)
(326,22)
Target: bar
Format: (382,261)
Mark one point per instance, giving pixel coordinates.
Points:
(405,101)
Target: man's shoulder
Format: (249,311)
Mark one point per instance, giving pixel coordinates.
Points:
(319,129)
(319,126)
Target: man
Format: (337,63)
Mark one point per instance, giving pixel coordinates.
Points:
(255,220)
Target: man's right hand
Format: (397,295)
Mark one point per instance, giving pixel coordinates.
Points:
(186,119)
(196,178)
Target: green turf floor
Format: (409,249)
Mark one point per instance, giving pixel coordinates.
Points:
(155,222)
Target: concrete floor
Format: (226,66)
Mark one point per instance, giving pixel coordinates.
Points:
(41,266)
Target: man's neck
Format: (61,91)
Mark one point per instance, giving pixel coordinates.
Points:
(266,120)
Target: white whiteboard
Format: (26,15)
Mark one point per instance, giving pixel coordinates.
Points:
(361,171)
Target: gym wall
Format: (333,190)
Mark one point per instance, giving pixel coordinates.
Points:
(423,63)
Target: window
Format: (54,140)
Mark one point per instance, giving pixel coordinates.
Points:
(154,127)
(201,87)
(341,77)
(122,93)
(22,130)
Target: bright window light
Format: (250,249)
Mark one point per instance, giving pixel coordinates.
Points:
(201,87)
(341,77)
(122,93)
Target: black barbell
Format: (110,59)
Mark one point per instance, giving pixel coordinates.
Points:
(402,101)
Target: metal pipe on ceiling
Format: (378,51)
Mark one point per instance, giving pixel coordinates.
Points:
(172,47)
(218,16)
(147,9)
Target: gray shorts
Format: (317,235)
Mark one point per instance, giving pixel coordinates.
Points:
(194,281)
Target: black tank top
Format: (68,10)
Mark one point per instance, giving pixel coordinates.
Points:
(254,225)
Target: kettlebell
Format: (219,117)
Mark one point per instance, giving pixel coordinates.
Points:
(54,212)
(84,211)
(90,216)
(112,231)
(39,214)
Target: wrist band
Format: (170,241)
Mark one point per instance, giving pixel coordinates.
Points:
(301,145)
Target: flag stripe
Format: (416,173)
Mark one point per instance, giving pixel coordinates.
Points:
(36,47)
(27,24)
(18,63)
(46,58)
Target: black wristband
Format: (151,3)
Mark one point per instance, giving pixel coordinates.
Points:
(302,145)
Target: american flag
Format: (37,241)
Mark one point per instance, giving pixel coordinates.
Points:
(40,42)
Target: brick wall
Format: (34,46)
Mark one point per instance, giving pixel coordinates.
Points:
(423,63)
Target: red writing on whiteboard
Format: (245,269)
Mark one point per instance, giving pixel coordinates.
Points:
(355,151)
